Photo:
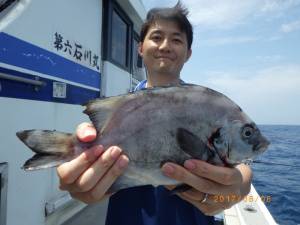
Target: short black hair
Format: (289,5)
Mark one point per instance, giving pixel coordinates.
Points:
(178,14)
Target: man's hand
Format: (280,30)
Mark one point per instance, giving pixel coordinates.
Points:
(90,175)
(224,186)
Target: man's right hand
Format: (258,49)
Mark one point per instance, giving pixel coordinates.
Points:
(90,175)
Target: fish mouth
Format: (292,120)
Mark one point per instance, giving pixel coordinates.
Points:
(262,146)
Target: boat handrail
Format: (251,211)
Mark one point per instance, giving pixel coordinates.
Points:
(37,83)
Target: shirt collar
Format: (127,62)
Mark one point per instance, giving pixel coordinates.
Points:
(143,85)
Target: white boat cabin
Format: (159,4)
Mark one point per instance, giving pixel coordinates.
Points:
(54,56)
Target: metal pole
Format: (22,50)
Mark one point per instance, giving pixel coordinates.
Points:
(22,80)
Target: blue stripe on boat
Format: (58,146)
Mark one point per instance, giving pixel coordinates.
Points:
(14,89)
(16,52)
(19,53)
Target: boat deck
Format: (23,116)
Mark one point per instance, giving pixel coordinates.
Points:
(249,211)
(93,214)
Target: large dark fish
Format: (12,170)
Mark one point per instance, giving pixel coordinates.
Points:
(154,126)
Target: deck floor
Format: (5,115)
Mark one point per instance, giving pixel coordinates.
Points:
(92,214)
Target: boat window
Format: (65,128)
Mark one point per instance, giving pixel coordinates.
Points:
(119,46)
(3,192)
(117,36)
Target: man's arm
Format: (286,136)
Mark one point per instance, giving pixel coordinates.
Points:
(224,186)
(90,175)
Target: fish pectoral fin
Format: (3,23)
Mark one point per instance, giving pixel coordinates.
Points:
(180,188)
(192,144)
(100,110)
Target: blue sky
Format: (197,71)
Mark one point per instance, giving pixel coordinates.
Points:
(248,50)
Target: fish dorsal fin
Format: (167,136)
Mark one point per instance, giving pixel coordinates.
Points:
(192,144)
(100,110)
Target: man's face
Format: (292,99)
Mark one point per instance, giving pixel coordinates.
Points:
(164,49)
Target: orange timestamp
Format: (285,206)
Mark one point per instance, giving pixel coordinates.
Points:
(238,198)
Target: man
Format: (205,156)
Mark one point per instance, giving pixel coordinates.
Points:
(166,39)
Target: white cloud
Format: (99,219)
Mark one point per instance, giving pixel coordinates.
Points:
(269,58)
(269,96)
(226,14)
(278,5)
(289,27)
(228,40)
(229,13)
(274,38)
(221,14)
(272,80)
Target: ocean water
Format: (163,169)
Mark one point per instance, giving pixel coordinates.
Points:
(281,183)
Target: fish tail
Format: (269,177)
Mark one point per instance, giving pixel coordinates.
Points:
(52,148)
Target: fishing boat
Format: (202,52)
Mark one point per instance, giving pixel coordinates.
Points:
(54,56)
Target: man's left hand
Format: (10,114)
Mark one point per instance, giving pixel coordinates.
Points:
(222,186)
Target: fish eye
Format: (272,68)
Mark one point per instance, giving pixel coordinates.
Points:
(217,141)
(247,131)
